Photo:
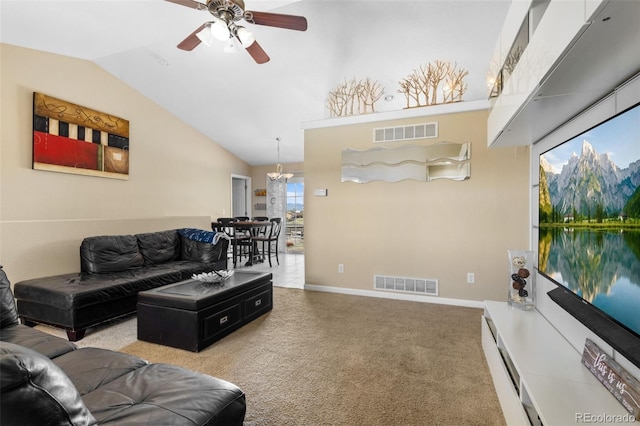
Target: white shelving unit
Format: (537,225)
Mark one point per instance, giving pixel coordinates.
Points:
(538,375)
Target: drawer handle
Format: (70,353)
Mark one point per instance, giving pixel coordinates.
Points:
(258,302)
(224,319)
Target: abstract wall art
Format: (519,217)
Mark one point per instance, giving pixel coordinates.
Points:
(70,138)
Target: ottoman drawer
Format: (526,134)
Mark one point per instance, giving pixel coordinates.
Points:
(216,322)
(258,304)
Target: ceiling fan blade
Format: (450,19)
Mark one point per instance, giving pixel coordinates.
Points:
(290,22)
(189,3)
(192,40)
(256,52)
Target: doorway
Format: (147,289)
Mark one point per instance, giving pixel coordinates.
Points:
(240,195)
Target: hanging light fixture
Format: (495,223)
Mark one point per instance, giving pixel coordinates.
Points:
(278,173)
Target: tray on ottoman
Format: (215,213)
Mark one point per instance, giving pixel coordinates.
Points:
(193,314)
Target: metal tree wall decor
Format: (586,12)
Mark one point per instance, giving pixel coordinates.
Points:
(434,83)
(354,97)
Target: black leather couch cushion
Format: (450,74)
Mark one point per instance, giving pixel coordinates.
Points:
(110,253)
(90,368)
(159,247)
(163,394)
(46,344)
(13,332)
(76,290)
(37,391)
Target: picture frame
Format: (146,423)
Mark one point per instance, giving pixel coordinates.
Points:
(70,138)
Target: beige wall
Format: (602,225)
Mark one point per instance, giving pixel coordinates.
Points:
(440,229)
(436,230)
(178,177)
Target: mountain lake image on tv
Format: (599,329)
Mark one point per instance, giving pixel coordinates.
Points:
(589,217)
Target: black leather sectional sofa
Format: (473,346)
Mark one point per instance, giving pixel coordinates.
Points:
(114,268)
(47,380)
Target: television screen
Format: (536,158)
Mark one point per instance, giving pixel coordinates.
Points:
(589,217)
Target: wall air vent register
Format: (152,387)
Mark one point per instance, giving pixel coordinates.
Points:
(426,286)
(405,133)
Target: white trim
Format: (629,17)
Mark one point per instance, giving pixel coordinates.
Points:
(396,296)
(426,111)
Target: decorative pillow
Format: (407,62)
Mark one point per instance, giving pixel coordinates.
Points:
(33,390)
(110,253)
(159,247)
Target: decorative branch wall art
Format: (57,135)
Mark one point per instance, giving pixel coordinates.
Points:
(434,83)
(70,138)
(354,97)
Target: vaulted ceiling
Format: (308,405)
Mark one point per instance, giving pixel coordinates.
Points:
(244,106)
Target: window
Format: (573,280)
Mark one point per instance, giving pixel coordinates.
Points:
(295,215)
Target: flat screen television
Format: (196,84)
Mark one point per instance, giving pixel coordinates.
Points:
(589,228)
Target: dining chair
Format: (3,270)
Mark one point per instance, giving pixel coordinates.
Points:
(239,239)
(262,230)
(269,241)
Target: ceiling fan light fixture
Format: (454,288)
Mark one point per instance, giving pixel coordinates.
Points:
(245,36)
(230,46)
(205,35)
(219,30)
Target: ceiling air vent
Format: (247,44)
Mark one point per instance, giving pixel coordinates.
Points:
(425,286)
(406,133)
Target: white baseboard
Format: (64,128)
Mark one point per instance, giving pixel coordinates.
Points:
(396,296)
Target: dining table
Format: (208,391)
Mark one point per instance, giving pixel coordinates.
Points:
(249,229)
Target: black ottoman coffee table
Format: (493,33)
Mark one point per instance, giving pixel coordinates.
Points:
(193,314)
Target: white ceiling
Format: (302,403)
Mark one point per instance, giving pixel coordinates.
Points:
(244,106)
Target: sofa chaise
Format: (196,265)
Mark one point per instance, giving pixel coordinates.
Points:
(114,268)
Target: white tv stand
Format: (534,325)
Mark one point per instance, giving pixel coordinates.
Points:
(538,375)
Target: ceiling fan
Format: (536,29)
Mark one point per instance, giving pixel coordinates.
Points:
(224,27)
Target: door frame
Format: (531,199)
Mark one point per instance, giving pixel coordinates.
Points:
(235,196)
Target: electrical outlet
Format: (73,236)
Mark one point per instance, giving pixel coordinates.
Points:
(471,278)
(340,268)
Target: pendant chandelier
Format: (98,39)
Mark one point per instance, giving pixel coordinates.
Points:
(278,173)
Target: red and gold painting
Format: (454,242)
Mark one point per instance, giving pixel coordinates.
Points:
(70,138)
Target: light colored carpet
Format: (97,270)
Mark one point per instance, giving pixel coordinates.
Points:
(332,359)
(112,335)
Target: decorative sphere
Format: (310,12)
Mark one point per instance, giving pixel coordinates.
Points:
(519,261)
